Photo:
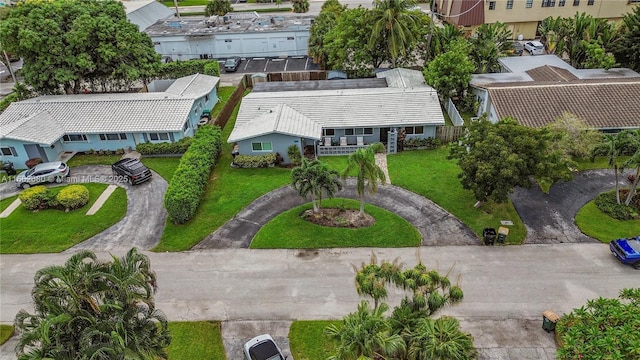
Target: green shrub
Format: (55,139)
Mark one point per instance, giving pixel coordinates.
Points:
(212,68)
(73,197)
(37,197)
(253,161)
(7,100)
(177,69)
(190,179)
(378,148)
(178,147)
(294,154)
(429,143)
(608,204)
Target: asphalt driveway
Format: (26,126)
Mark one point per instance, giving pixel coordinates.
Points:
(143,222)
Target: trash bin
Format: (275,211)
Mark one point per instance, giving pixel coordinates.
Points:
(549,320)
(489,236)
(502,234)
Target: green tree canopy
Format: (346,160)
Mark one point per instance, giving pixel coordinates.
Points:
(325,21)
(394,26)
(300,6)
(450,72)
(626,46)
(218,7)
(314,178)
(490,42)
(67,43)
(495,158)
(89,309)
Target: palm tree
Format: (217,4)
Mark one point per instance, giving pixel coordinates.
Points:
(611,147)
(365,334)
(314,178)
(490,41)
(440,339)
(368,173)
(634,161)
(91,309)
(394,25)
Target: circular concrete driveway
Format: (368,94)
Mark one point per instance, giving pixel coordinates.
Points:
(143,222)
(550,218)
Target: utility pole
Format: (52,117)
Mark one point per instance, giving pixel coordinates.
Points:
(6,57)
(175,4)
(431,19)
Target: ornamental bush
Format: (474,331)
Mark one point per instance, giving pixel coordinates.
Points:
(607,203)
(190,179)
(37,197)
(253,161)
(73,197)
(178,147)
(429,143)
(178,69)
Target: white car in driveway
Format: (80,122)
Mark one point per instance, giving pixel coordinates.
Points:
(262,347)
(44,172)
(534,47)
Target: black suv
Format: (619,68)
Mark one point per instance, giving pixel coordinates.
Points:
(132,169)
(232,64)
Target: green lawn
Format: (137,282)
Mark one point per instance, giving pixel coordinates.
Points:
(229,191)
(27,232)
(289,231)
(171,4)
(84,159)
(430,174)
(307,340)
(599,162)
(224,93)
(6,331)
(198,340)
(593,222)
(164,166)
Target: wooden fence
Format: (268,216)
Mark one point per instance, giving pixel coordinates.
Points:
(227,109)
(449,133)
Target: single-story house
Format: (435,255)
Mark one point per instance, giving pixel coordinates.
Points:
(336,117)
(47,126)
(536,90)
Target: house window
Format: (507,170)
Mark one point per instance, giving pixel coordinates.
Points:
(576,2)
(159,136)
(261,146)
(74,138)
(529,4)
(414,130)
(364,131)
(590,2)
(8,151)
(561,2)
(206,98)
(509,4)
(348,131)
(185,127)
(328,132)
(492,5)
(548,3)
(121,136)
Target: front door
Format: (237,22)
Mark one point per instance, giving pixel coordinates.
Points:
(383,135)
(35,151)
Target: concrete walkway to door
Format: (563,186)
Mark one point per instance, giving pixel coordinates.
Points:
(436,225)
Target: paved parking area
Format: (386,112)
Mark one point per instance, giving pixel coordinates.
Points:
(256,65)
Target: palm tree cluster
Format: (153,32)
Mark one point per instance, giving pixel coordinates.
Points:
(314,178)
(408,332)
(626,142)
(88,309)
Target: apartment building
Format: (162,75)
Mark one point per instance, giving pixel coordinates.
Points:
(524,16)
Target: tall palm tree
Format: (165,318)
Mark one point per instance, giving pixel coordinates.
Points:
(394,25)
(490,42)
(368,173)
(89,309)
(365,334)
(314,178)
(633,161)
(440,339)
(611,147)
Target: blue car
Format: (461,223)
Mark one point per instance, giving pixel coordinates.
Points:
(627,251)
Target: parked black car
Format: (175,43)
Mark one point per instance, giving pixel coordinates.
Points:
(517,49)
(132,170)
(232,64)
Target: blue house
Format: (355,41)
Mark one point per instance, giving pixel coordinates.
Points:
(336,117)
(47,126)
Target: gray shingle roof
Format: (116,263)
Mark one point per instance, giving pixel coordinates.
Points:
(402,78)
(280,119)
(347,107)
(194,86)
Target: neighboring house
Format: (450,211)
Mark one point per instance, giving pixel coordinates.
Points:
(524,16)
(244,34)
(536,90)
(47,126)
(336,117)
(145,13)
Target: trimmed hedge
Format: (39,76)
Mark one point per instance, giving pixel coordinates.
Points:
(178,69)
(254,161)
(190,179)
(178,147)
(73,197)
(429,143)
(37,197)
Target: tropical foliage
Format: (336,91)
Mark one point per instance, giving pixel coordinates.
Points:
(218,7)
(490,42)
(368,173)
(626,46)
(67,43)
(324,22)
(602,329)
(495,158)
(394,27)
(300,6)
(89,309)
(314,178)
(572,136)
(450,72)
(612,147)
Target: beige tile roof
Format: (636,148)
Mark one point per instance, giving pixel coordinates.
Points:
(601,103)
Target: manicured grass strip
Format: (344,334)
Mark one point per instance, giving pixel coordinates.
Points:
(51,230)
(6,331)
(593,222)
(171,4)
(307,340)
(164,166)
(224,93)
(430,174)
(599,162)
(289,231)
(84,159)
(229,191)
(198,340)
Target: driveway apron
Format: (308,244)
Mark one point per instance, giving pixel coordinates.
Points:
(436,225)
